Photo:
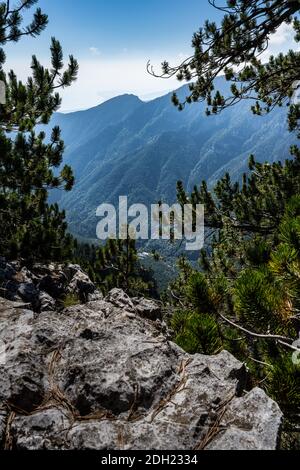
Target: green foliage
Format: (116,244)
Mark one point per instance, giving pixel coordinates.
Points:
(250,268)
(259,299)
(257,251)
(198,292)
(196,333)
(284,383)
(250,276)
(70,300)
(85,255)
(29,227)
(118,265)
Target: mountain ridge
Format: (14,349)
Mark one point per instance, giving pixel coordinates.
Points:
(126,146)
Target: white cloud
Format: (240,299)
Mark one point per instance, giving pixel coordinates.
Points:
(284,34)
(94,51)
(281,41)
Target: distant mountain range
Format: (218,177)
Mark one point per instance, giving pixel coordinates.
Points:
(141,149)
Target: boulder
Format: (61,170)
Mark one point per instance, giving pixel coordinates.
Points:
(22,366)
(95,296)
(47,303)
(7,271)
(50,427)
(148,308)
(81,285)
(28,292)
(252,418)
(54,284)
(120,299)
(44,287)
(104,376)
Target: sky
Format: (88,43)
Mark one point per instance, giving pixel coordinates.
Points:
(113,40)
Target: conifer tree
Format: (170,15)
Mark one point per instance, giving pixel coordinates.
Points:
(245,294)
(118,266)
(29,226)
(247,285)
(234,49)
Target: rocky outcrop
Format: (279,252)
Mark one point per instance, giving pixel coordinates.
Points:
(105,376)
(45,287)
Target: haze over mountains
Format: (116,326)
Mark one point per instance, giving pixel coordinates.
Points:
(141,149)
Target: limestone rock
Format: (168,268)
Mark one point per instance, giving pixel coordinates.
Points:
(47,303)
(81,284)
(148,308)
(45,287)
(254,421)
(104,376)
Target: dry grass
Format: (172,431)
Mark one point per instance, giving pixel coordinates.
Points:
(216,426)
(179,387)
(8,441)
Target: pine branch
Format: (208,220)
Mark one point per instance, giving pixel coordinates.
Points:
(281,339)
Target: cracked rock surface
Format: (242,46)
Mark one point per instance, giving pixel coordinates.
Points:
(104,376)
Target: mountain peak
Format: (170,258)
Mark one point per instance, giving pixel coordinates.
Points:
(121,99)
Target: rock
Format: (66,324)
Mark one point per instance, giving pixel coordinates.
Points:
(119,298)
(81,285)
(54,284)
(71,270)
(7,271)
(29,293)
(47,303)
(9,290)
(13,278)
(23,366)
(96,435)
(147,308)
(50,427)
(103,376)
(45,286)
(254,422)
(95,296)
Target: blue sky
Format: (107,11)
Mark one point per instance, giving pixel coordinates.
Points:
(113,39)
(112,25)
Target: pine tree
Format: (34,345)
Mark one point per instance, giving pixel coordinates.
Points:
(234,49)
(29,227)
(245,294)
(118,266)
(85,255)
(248,280)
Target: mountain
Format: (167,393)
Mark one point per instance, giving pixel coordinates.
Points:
(141,149)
